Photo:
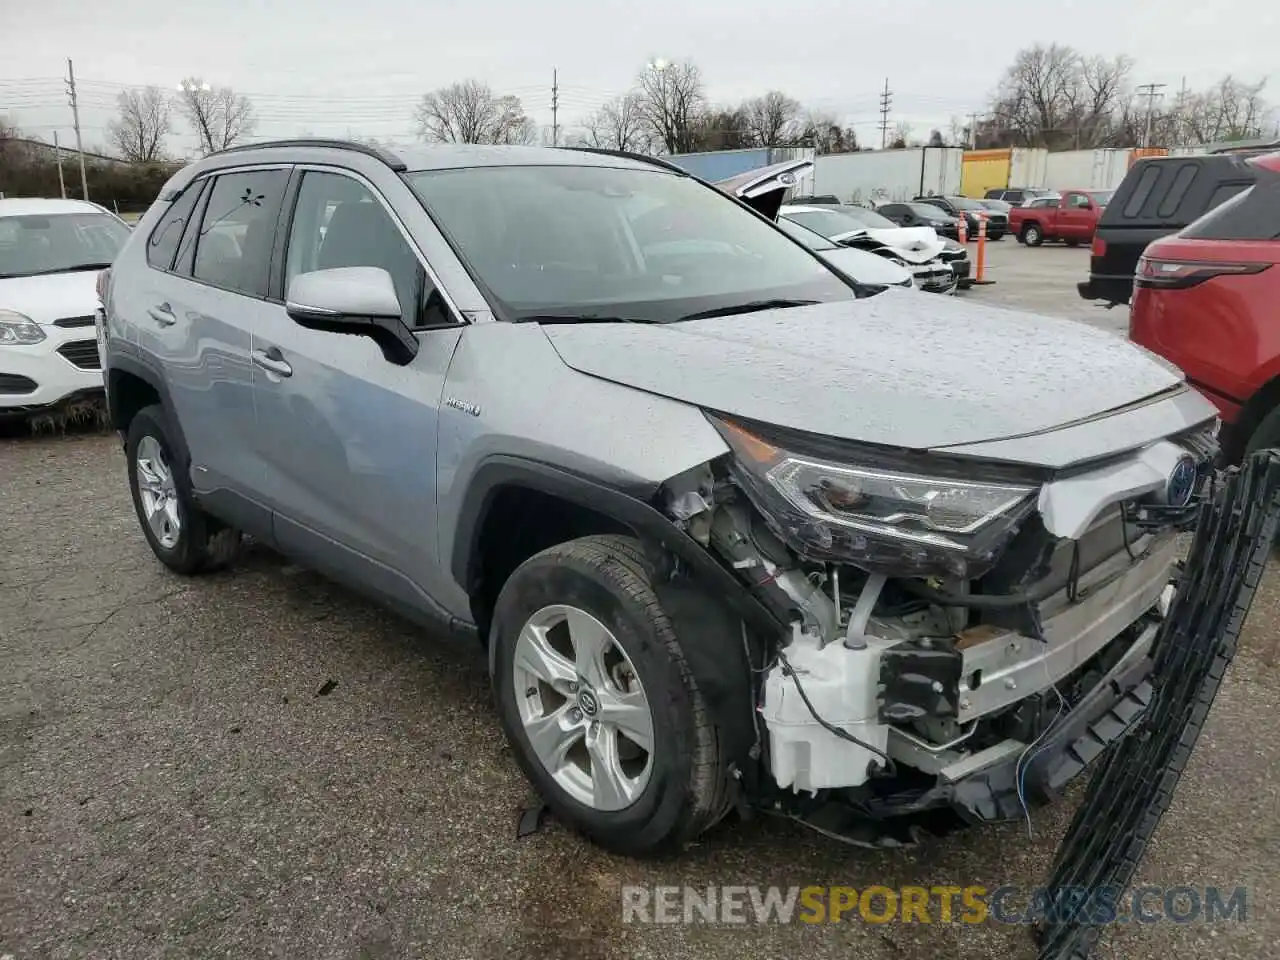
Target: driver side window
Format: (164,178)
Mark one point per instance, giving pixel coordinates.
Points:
(338,222)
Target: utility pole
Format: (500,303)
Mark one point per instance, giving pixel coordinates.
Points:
(555,110)
(1151,92)
(57,152)
(886,99)
(973,131)
(75,116)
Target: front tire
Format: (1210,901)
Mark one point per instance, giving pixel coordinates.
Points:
(598,702)
(181,535)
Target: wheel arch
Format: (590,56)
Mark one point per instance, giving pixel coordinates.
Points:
(1254,410)
(504,487)
(133,385)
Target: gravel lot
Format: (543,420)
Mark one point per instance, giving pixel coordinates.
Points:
(173,783)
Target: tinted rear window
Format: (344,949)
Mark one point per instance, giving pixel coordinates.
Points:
(1253,214)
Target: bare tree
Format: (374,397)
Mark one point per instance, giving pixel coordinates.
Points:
(823,132)
(468,112)
(935,139)
(618,125)
(901,133)
(772,119)
(672,99)
(219,116)
(138,133)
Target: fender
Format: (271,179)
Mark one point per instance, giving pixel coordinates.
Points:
(628,508)
(124,363)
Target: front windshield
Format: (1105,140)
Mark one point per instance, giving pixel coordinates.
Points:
(831,223)
(32,245)
(869,218)
(597,242)
(811,239)
(927,211)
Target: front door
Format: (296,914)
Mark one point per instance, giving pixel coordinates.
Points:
(345,437)
(1075,216)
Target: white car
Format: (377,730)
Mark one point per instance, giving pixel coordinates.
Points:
(921,250)
(863,266)
(51,252)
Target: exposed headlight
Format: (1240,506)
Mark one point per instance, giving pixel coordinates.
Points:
(16,328)
(888,514)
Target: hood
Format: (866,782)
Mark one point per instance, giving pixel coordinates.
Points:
(763,189)
(913,244)
(864,266)
(898,368)
(52,296)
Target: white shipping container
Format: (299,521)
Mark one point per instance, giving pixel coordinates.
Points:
(1027,167)
(1087,169)
(882,176)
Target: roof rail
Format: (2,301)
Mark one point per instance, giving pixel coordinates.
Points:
(627,155)
(390,159)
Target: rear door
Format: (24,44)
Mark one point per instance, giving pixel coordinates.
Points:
(198,311)
(346,438)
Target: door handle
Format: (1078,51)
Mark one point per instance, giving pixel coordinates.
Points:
(272,360)
(162,314)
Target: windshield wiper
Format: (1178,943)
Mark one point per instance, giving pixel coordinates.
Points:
(74,268)
(579,318)
(754,306)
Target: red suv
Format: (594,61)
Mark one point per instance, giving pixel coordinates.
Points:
(1208,299)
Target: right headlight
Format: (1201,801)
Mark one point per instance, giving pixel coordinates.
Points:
(890,514)
(17,329)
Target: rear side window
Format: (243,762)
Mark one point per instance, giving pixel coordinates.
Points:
(1177,190)
(1146,183)
(163,242)
(238,230)
(1251,215)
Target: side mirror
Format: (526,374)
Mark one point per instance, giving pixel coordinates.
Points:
(353,300)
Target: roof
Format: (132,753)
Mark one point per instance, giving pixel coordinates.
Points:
(451,156)
(446,156)
(38,206)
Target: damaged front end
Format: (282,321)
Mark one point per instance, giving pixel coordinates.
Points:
(964,638)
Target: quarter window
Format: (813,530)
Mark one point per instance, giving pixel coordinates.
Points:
(163,242)
(237,232)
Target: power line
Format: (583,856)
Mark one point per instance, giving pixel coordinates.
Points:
(75,116)
(1152,91)
(886,99)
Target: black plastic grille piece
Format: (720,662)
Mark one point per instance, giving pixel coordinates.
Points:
(83,353)
(66,322)
(1132,787)
(14,383)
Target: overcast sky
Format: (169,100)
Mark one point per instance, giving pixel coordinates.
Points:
(327,68)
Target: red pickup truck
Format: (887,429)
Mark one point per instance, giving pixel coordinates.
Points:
(1071,216)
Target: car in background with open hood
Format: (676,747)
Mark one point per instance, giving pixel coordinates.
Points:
(921,248)
(764,188)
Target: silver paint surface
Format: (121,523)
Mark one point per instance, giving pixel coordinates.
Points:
(892,369)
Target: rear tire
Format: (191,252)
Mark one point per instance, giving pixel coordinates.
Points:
(181,535)
(1072,243)
(1032,235)
(581,619)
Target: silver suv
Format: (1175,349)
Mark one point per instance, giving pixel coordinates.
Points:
(736,530)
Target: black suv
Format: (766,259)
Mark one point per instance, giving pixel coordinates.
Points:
(1158,196)
(972,211)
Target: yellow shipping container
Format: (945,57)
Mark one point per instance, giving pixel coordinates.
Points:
(984,170)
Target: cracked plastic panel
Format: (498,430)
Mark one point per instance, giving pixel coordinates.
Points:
(1129,793)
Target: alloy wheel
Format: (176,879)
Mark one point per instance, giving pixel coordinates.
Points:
(157,493)
(583,707)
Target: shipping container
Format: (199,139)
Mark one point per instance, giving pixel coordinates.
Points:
(997,169)
(715,165)
(1087,169)
(882,176)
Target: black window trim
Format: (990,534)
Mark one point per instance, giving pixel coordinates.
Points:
(282,238)
(204,179)
(197,184)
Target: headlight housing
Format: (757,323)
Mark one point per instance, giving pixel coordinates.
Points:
(885,513)
(17,329)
